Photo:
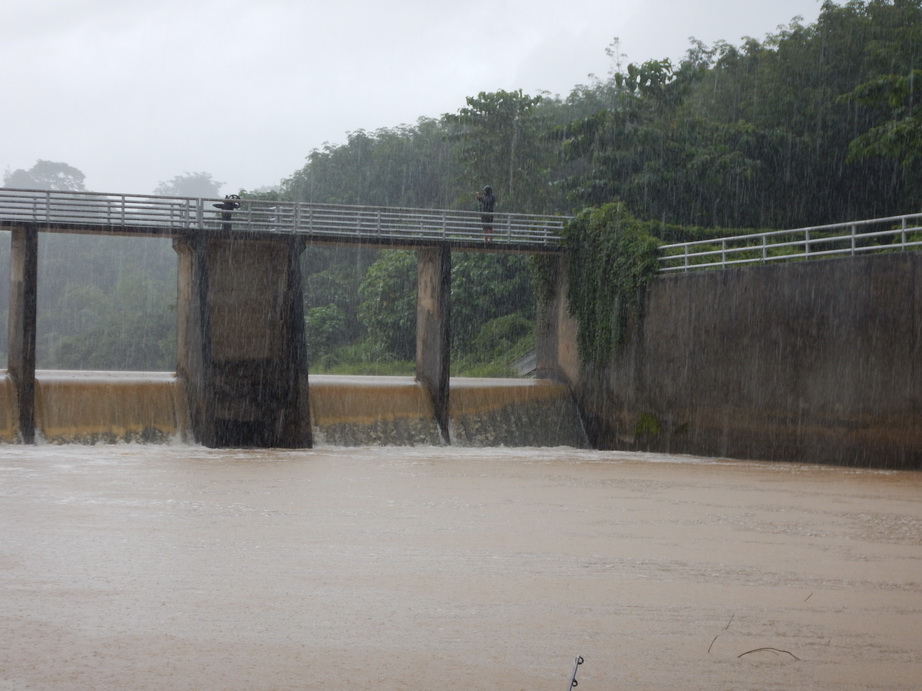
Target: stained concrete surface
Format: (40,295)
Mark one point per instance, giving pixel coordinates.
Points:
(179,567)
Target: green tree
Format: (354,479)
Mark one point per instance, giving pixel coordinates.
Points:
(47,175)
(403,166)
(106,303)
(388,307)
(486,287)
(760,135)
(325,328)
(899,138)
(499,139)
(200,185)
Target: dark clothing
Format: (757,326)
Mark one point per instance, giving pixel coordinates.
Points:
(487,201)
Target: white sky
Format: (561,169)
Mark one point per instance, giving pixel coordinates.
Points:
(133,93)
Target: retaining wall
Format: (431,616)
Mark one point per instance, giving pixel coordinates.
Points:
(814,361)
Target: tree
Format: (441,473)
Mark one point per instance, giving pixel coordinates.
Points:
(47,175)
(402,166)
(815,124)
(900,138)
(388,307)
(499,141)
(190,185)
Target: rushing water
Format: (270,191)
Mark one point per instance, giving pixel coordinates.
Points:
(129,566)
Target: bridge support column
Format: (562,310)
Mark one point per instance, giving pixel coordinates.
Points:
(22,326)
(555,329)
(433,328)
(241,349)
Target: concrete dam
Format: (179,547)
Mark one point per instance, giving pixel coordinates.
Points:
(241,377)
(813,358)
(149,407)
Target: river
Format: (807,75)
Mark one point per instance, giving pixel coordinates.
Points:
(152,567)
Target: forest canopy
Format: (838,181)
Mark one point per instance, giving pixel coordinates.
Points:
(814,124)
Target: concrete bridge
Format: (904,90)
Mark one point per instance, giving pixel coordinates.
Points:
(241,343)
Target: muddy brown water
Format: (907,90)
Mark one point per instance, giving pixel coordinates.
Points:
(176,567)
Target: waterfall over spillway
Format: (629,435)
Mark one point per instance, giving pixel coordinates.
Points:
(90,407)
(371,411)
(513,412)
(363,411)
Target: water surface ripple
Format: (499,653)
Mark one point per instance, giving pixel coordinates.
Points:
(151,567)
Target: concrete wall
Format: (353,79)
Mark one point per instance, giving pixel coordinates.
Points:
(815,362)
(241,348)
(433,328)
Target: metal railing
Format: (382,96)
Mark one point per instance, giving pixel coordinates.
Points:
(894,233)
(129,214)
(122,213)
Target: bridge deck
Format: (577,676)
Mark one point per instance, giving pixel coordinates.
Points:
(123,214)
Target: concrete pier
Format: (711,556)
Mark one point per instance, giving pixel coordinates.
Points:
(433,328)
(22,326)
(241,349)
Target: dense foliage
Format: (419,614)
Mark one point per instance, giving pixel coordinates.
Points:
(814,124)
(611,257)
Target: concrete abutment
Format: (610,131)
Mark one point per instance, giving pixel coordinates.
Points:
(816,361)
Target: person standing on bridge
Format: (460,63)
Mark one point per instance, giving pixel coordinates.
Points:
(487,201)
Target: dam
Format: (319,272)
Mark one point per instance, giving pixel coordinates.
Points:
(86,407)
(241,374)
(780,345)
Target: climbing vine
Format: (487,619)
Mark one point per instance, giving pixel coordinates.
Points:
(543,272)
(611,258)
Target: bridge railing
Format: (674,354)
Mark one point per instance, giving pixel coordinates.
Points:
(173,215)
(893,233)
(53,207)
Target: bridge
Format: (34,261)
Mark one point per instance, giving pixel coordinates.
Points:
(160,216)
(147,215)
(241,353)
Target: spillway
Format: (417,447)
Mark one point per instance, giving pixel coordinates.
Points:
(91,407)
(513,412)
(371,411)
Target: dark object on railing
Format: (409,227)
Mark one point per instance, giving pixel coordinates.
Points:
(577,663)
(230,203)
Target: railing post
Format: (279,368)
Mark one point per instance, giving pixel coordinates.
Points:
(854,231)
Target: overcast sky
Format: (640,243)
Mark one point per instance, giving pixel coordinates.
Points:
(133,93)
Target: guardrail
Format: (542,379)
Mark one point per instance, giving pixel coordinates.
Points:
(124,213)
(175,215)
(894,233)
